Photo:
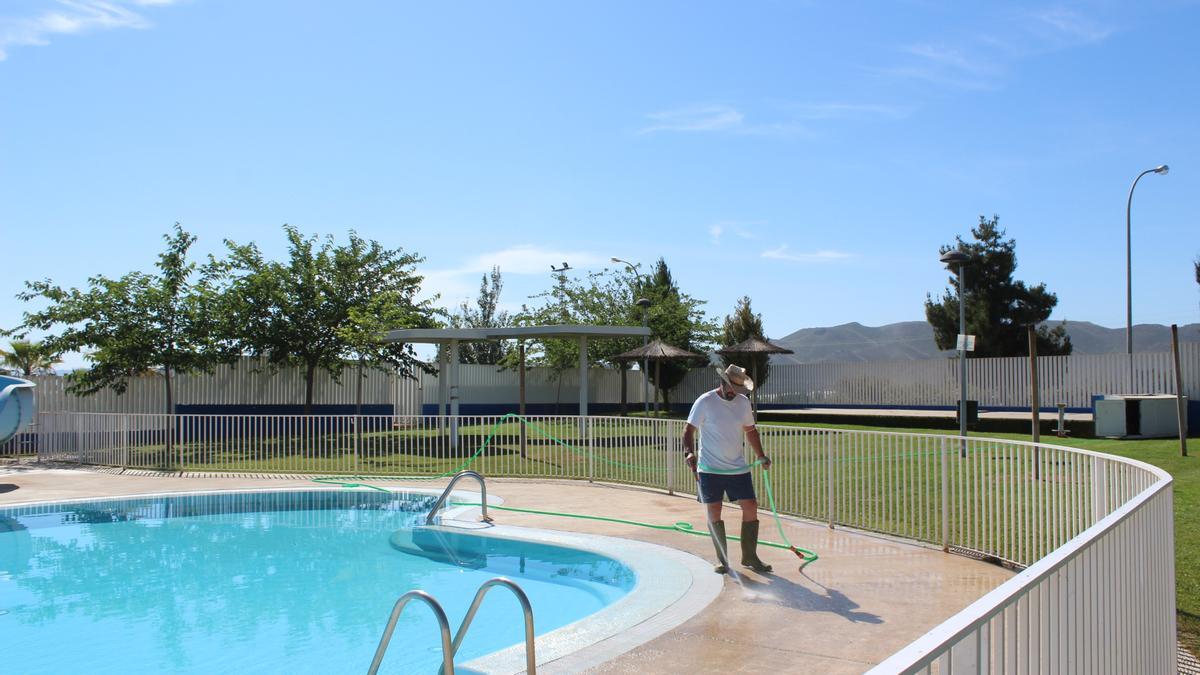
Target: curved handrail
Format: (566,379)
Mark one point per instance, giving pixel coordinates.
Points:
(931,646)
(526,608)
(443,626)
(441,501)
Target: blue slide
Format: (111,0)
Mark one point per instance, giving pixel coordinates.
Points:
(16,406)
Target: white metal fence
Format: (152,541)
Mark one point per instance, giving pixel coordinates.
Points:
(1093,532)
(250,383)
(998,382)
(1071,380)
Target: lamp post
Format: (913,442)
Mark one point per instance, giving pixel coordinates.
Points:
(645,305)
(1163,169)
(960,259)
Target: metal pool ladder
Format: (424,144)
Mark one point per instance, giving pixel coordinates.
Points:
(441,501)
(450,647)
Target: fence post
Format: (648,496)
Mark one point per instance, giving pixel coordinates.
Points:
(945,497)
(829,481)
(77,445)
(357,437)
(583,421)
(125,444)
(1099,489)
(669,457)
(178,434)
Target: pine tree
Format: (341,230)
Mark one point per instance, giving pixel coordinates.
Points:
(742,325)
(998,309)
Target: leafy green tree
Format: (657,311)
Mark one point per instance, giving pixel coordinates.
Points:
(26,359)
(485,314)
(130,325)
(998,309)
(325,307)
(603,298)
(742,325)
(608,298)
(677,319)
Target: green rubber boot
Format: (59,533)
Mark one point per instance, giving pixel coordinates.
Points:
(750,547)
(719,543)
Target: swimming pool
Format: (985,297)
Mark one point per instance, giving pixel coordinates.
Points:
(269,582)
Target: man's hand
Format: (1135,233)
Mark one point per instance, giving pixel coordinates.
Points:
(690,460)
(766,462)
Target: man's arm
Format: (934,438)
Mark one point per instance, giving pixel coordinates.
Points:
(689,447)
(756,444)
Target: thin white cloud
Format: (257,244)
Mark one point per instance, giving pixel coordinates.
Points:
(739,228)
(980,62)
(948,57)
(1072,26)
(793,123)
(840,110)
(945,66)
(695,118)
(72,17)
(783,253)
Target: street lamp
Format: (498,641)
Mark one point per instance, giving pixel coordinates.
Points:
(1163,169)
(960,259)
(644,304)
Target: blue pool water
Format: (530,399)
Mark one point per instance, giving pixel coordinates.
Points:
(267,582)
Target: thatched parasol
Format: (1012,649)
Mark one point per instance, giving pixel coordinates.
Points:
(658,351)
(754,346)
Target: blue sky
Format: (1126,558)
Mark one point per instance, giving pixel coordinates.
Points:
(810,155)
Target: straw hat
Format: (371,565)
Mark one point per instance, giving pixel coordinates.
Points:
(736,377)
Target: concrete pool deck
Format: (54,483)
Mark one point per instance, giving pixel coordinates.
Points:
(866,597)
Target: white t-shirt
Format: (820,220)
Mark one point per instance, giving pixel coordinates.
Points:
(722,424)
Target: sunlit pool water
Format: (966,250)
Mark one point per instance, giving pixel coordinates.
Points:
(267,582)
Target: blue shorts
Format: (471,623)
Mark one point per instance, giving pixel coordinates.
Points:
(736,486)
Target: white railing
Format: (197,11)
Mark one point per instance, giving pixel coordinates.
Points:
(1102,603)
(1093,532)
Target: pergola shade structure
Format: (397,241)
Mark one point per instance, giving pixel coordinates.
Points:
(658,351)
(752,347)
(451,337)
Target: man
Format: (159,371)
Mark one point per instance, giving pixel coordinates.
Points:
(723,416)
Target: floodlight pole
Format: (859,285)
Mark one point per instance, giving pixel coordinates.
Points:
(1162,169)
(959,259)
(644,304)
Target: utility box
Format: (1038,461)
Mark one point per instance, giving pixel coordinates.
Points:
(1137,416)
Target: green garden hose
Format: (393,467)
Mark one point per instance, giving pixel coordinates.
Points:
(805,555)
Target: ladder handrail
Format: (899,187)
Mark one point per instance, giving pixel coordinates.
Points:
(441,501)
(443,625)
(526,608)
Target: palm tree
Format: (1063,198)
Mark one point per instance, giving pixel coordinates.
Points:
(27,359)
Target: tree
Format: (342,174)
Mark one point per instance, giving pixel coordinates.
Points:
(998,309)
(675,318)
(26,359)
(135,323)
(485,314)
(325,307)
(604,298)
(740,326)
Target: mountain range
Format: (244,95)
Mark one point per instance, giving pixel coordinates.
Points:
(912,340)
